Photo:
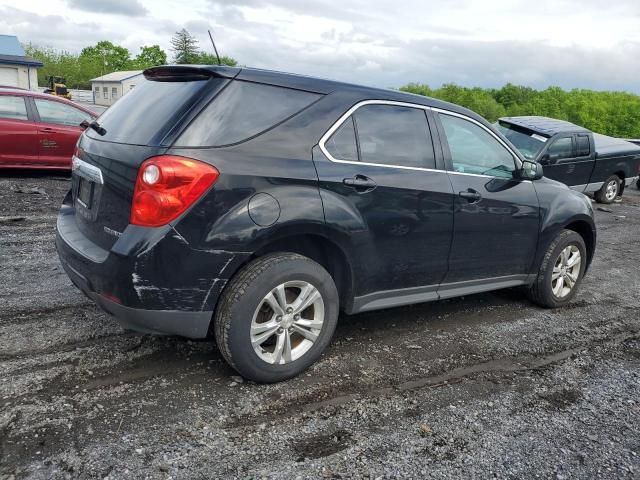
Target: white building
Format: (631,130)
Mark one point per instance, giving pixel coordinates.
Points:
(108,88)
(16,69)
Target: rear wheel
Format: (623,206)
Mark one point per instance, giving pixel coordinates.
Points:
(609,190)
(276,317)
(561,271)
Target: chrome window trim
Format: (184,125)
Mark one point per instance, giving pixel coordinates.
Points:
(86,170)
(362,103)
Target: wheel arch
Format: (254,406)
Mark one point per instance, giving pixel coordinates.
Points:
(585,230)
(320,247)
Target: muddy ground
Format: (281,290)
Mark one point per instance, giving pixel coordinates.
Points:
(485,386)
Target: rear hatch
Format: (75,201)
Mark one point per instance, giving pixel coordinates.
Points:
(142,124)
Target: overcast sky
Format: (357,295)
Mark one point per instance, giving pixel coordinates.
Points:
(386,43)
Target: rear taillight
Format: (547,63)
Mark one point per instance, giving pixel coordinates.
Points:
(166,186)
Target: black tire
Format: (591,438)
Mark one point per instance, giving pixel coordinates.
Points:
(601,195)
(541,291)
(638,184)
(245,293)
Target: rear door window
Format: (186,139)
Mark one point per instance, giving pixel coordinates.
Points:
(394,135)
(60,114)
(391,135)
(146,113)
(241,111)
(13,108)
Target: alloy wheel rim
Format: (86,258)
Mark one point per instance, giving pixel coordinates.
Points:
(287,322)
(612,190)
(566,271)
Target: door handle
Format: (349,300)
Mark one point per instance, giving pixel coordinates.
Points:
(47,129)
(360,183)
(471,195)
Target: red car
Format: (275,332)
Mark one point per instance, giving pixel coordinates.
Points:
(38,130)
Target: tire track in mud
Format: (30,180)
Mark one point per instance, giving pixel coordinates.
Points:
(507,365)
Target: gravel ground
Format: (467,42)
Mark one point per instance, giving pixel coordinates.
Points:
(485,386)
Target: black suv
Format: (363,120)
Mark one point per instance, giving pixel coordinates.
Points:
(254,205)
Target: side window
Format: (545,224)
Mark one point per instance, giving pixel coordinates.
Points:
(243,110)
(394,135)
(114,92)
(562,147)
(59,113)
(474,150)
(342,144)
(13,108)
(105,92)
(582,146)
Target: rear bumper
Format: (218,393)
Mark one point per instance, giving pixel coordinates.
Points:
(161,322)
(151,280)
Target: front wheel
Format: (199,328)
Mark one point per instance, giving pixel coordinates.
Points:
(276,317)
(609,190)
(561,271)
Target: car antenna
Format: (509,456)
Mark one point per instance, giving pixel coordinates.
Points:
(214,47)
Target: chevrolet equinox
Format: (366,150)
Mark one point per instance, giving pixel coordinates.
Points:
(255,205)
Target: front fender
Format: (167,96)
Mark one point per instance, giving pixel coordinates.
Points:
(560,207)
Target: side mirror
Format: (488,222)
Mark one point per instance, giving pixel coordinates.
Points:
(531,170)
(84,124)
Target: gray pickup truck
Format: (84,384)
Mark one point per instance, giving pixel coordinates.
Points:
(587,162)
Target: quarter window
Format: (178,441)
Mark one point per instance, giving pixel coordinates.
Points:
(394,135)
(59,113)
(13,108)
(474,150)
(583,146)
(561,148)
(243,110)
(342,144)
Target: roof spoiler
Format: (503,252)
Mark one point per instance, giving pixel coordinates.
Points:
(189,73)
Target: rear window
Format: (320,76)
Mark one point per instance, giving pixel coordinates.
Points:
(583,146)
(147,112)
(241,111)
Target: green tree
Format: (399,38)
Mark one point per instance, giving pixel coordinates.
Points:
(184,47)
(103,58)
(204,58)
(57,63)
(150,56)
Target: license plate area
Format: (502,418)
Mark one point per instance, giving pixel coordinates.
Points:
(85,192)
(87,188)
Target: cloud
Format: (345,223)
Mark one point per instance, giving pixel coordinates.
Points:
(384,43)
(117,7)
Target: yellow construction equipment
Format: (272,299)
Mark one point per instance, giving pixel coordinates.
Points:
(56,86)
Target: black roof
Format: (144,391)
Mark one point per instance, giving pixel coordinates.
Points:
(299,82)
(20,60)
(544,125)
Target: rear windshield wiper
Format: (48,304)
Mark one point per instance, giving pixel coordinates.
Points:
(95,126)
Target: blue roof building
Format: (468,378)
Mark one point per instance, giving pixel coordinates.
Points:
(16,69)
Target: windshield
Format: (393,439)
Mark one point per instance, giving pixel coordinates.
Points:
(528,142)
